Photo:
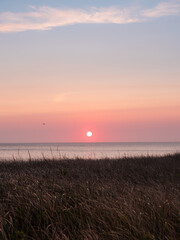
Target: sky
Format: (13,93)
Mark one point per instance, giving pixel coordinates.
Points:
(108,66)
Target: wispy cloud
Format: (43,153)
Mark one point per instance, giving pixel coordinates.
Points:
(45,18)
(163,9)
(65,96)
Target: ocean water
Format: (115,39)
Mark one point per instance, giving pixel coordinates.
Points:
(25,151)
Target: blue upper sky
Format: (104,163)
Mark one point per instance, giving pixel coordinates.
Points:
(21,5)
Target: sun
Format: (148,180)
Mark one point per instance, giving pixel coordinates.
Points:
(89,134)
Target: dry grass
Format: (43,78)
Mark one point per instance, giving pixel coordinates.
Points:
(130,199)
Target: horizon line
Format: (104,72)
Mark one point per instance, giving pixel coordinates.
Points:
(89,142)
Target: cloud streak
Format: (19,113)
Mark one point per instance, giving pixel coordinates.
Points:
(163,9)
(65,96)
(45,18)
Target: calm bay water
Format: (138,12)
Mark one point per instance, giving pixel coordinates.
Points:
(86,150)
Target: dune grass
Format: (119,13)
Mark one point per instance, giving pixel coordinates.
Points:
(128,198)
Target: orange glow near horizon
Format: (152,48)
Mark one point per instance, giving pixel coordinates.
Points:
(107,126)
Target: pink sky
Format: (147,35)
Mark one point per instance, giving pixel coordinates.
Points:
(110,69)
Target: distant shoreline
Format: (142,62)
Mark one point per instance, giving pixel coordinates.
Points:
(85,150)
(76,158)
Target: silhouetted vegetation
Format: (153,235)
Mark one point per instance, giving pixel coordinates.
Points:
(128,199)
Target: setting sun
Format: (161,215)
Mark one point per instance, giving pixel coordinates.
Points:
(89,134)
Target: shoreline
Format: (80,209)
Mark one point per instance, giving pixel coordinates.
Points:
(75,158)
(86,150)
